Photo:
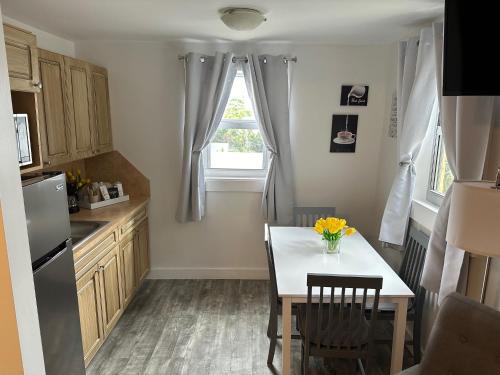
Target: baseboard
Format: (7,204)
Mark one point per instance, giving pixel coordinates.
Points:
(208,273)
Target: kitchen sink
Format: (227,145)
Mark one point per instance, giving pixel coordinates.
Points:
(81,230)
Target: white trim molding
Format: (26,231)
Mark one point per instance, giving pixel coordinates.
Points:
(208,273)
(251,185)
(424,213)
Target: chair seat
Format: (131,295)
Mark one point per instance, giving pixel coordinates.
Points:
(345,334)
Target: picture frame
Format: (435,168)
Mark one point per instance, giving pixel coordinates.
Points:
(354,95)
(344,133)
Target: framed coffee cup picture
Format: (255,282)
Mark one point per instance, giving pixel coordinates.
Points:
(356,95)
(344,133)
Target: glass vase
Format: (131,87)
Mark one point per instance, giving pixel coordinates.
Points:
(332,246)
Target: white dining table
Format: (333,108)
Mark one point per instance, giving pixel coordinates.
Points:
(298,251)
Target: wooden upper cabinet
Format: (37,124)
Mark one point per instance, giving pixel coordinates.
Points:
(79,106)
(102,116)
(55,132)
(72,99)
(22,59)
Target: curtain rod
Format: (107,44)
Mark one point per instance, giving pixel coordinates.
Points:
(245,59)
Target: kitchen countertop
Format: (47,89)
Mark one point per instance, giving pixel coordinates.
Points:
(115,215)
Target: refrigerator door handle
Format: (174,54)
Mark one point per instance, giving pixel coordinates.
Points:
(52,258)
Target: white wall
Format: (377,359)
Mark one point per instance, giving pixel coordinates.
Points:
(46,40)
(146,88)
(16,233)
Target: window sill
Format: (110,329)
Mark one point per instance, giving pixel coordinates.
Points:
(424,213)
(235,184)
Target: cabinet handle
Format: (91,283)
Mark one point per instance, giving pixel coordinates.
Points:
(38,85)
(47,163)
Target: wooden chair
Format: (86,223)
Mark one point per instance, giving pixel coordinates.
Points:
(339,329)
(274,300)
(411,272)
(307,216)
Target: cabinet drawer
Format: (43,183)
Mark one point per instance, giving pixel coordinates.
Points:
(93,255)
(133,222)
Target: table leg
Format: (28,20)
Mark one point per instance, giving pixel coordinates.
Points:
(398,338)
(286,346)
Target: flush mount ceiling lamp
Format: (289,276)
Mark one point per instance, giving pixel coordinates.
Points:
(242,19)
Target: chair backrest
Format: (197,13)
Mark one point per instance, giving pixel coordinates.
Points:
(307,216)
(414,257)
(465,339)
(350,310)
(273,286)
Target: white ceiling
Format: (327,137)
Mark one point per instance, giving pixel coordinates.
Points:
(308,21)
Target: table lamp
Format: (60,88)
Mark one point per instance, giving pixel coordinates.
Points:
(474,221)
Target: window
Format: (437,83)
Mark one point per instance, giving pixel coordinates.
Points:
(237,149)
(441,177)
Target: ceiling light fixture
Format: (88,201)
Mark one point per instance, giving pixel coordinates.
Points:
(242,19)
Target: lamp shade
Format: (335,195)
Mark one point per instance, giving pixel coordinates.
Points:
(474,221)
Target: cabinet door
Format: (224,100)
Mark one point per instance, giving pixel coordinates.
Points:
(77,84)
(102,117)
(22,59)
(89,304)
(111,289)
(128,259)
(54,131)
(142,243)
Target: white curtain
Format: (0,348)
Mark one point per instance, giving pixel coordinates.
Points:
(267,82)
(208,84)
(417,101)
(466,123)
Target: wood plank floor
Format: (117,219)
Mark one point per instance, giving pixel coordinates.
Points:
(204,327)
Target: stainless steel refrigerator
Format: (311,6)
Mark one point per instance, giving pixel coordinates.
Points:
(45,203)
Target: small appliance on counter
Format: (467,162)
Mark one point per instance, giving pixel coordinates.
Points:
(51,249)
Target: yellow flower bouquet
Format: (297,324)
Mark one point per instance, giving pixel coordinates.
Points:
(332,229)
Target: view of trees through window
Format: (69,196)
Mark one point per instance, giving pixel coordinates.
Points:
(237,143)
(443,178)
(239,140)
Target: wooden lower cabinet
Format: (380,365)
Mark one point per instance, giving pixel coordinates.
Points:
(111,289)
(105,289)
(142,253)
(89,303)
(128,259)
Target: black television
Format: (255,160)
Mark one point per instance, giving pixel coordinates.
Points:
(470,65)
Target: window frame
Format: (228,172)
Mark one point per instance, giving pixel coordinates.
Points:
(236,173)
(432,195)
